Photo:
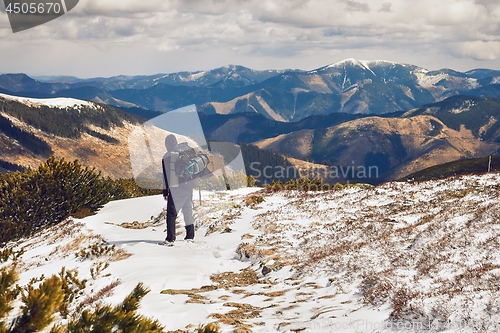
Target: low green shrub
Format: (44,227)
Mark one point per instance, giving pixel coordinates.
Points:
(33,199)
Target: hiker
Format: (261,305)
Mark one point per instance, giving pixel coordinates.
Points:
(178,198)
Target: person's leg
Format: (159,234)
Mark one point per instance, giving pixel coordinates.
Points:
(171,217)
(183,197)
(187,211)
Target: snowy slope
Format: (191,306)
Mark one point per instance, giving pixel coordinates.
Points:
(401,256)
(60,102)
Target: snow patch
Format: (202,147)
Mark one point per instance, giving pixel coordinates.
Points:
(161,77)
(466,106)
(426,80)
(60,102)
(195,76)
(362,63)
(473,83)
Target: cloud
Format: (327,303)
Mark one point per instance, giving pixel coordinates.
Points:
(254,20)
(271,29)
(208,7)
(357,6)
(385,7)
(479,50)
(121,8)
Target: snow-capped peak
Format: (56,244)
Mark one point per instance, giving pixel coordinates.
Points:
(361,63)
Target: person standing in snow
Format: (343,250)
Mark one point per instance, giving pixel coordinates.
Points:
(178,198)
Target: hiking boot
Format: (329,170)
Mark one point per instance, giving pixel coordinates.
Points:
(189,232)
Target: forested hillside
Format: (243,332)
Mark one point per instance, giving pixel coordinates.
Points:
(31,130)
(67,122)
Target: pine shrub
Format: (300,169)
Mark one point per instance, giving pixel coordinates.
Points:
(125,188)
(71,286)
(41,303)
(39,306)
(306,184)
(121,318)
(8,277)
(33,199)
(9,253)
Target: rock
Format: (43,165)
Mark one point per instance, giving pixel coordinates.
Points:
(265,270)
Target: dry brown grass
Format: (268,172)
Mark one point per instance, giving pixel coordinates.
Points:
(137,225)
(198,299)
(270,294)
(238,316)
(397,239)
(120,254)
(67,228)
(248,251)
(272,228)
(194,295)
(253,200)
(189,291)
(92,299)
(276,293)
(74,245)
(247,236)
(328,296)
(227,280)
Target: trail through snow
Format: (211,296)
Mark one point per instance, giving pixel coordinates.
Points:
(404,257)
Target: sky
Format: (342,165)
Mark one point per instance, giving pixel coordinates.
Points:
(102,38)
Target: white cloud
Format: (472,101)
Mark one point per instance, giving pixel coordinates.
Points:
(479,50)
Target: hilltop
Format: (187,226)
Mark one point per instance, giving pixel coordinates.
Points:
(416,255)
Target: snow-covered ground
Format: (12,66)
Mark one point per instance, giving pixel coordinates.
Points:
(406,257)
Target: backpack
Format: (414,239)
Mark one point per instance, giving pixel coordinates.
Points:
(187,164)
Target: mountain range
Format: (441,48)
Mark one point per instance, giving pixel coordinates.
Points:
(399,118)
(350,86)
(398,144)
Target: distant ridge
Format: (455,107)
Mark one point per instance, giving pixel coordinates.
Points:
(456,168)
